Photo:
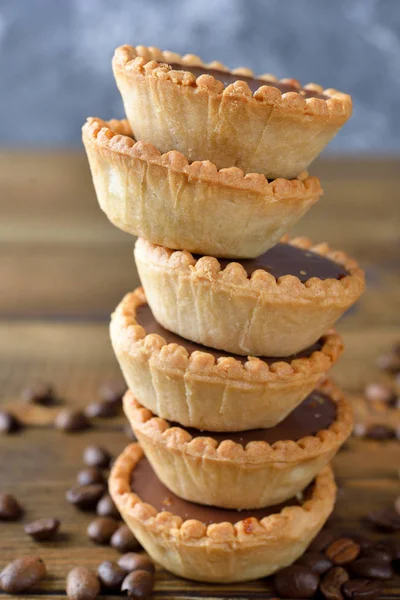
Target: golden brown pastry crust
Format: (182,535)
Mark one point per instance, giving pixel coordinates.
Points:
(198,391)
(257,315)
(267,132)
(194,207)
(221,552)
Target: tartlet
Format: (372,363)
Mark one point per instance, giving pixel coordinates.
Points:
(250,469)
(242,308)
(205,111)
(228,547)
(193,207)
(207,389)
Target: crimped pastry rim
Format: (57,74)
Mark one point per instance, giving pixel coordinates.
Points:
(178,439)
(130,337)
(167,524)
(288,287)
(116,136)
(153,62)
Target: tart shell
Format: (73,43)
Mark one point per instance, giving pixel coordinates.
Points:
(221,552)
(267,132)
(194,207)
(197,391)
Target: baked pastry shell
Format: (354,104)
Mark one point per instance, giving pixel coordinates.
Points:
(195,207)
(257,315)
(228,475)
(198,391)
(221,552)
(267,132)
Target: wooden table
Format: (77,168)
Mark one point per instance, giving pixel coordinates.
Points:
(64,268)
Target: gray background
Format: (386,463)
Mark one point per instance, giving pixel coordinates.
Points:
(55,57)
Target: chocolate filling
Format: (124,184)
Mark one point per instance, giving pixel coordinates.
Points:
(252,82)
(148,487)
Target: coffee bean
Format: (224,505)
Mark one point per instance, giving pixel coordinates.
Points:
(10,509)
(387,519)
(379,551)
(332,583)
(371,568)
(296,582)
(124,541)
(90,475)
(138,584)
(362,588)
(111,575)
(106,507)
(316,561)
(101,410)
(321,541)
(42,529)
(82,584)
(342,551)
(132,561)
(40,393)
(379,392)
(86,497)
(112,391)
(22,574)
(95,456)
(101,529)
(8,422)
(71,421)
(380,433)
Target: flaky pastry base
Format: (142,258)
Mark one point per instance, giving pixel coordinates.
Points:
(221,552)
(267,132)
(228,475)
(197,391)
(194,207)
(225,309)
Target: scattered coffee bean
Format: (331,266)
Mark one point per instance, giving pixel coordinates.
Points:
(296,582)
(362,588)
(42,529)
(22,574)
(316,561)
(379,392)
(82,584)
(387,519)
(112,391)
(133,561)
(95,456)
(90,475)
(86,497)
(332,583)
(106,507)
(128,431)
(342,551)
(138,584)
(40,393)
(10,509)
(379,551)
(111,575)
(101,410)
(124,541)
(8,422)
(380,433)
(71,421)
(101,529)
(371,568)
(321,541)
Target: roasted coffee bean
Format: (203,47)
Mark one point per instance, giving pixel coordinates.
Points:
(387,519)
(22,574)
(112,391)
(321,541)
(42,529)
(40,393)
(82,584)
(111,575)
(379,392)
(138,584)
(371,568)
(379,551)
(8,422)
(90,475)
(342,551)
(316,561)
(296,582)
(101,529)
(101,410)
(95,456)
(332,583)
(71,421)
(10,509)
(106,507)
(86,497)
(362,588)
(380,433)
(135,562)
(124,541)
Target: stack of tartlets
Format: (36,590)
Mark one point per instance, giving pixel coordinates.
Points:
(226,348)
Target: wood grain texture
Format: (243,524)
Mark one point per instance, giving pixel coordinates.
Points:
(63,268)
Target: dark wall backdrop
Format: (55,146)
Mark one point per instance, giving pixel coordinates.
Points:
(55,57)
